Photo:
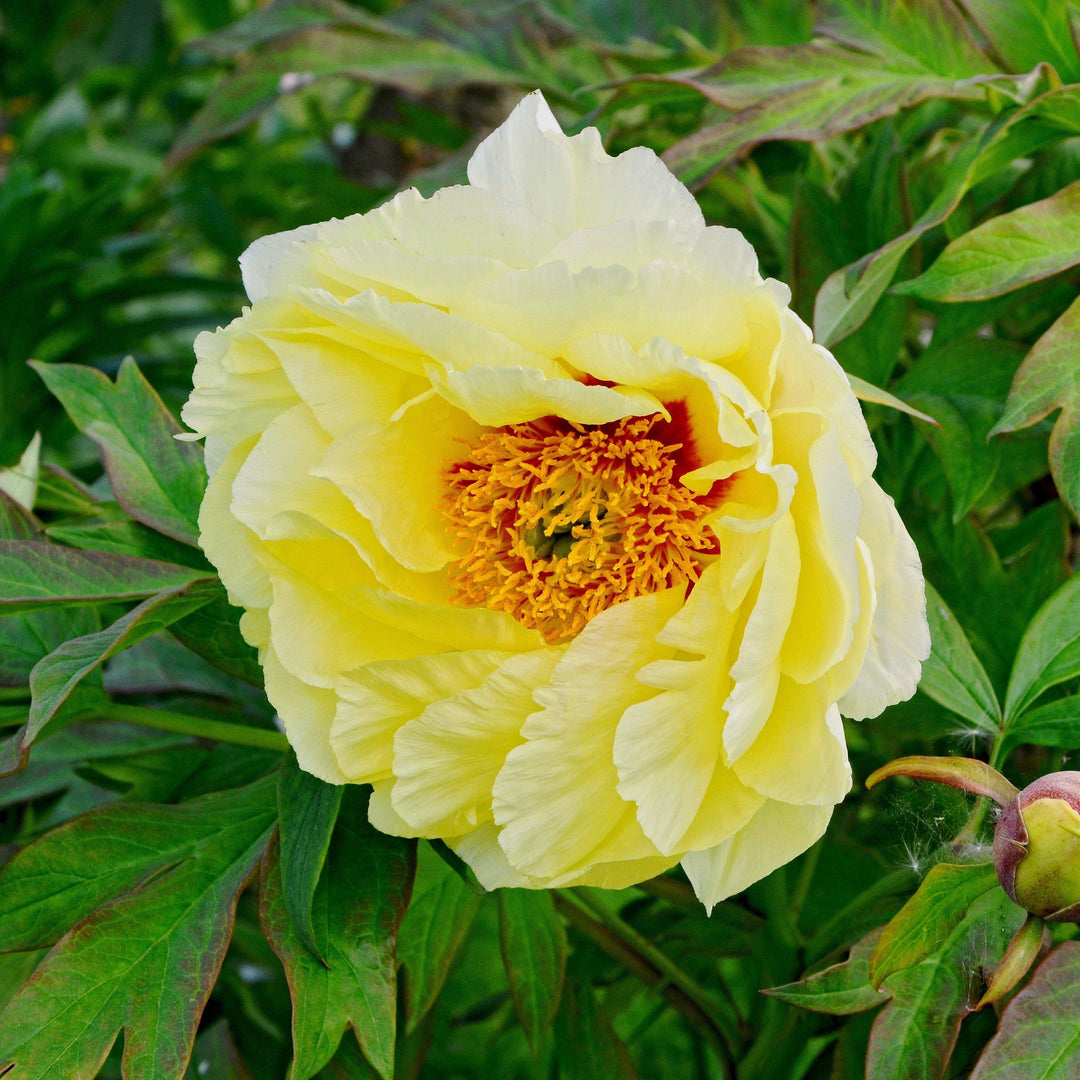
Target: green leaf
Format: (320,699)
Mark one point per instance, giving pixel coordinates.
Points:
(841,989)
(278,19)
(586,1043)
(1039,1034)
(213,633)
(357,909)
(143,960)
(1006,252)
(533,942)
(307,810)
(1048,379)
(55,676)
(35,574)
(439,916)
(850,294)
(1028,32)
(109,528)
(1055,724)
(156,478)
(287,64)
(71,872)
(914,1035)
(1049,651)
(953,676)
(939,906)
(963,383)
(884,58)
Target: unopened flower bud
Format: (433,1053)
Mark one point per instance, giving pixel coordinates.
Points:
(1037,847)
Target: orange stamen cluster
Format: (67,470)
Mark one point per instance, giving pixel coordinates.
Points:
(561,521)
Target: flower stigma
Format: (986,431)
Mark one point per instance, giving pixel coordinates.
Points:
(560,520)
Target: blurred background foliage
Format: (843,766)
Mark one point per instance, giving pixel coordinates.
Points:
(145,143)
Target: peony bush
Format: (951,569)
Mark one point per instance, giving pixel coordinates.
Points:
(551,522)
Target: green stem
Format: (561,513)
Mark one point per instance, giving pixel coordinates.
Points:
(14,693)
(699,1013)
(198,726)
(970,831)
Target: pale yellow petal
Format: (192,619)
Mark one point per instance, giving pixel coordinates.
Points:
(667,748)
(556,795)
(395,476)
(447,758)
(494,396)
(307,713)
(755,672)
(480,849)
(381,812)
(775,835)
(376,699)
(800,755)
(825,509)
(899,635)
(233,548)
(546,307)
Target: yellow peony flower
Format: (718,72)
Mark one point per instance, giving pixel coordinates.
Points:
(551,522)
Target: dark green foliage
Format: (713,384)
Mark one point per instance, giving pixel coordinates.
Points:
(909,168)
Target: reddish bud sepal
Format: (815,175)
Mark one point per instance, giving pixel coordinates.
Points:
(1037,847)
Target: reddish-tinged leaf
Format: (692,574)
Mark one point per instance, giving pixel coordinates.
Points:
(937,909)
(356,912)
(293,62)
(1022,952)
(967,774)
(157,479)
(1048,379)
(36,574)
(144,961)
(1026,32)
(55,676)
(914,1035)
(1039,1034)
(1006,252)
(841,989)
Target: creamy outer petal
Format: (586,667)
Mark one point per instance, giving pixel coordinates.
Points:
(376,699)
(232,547)
(481,850)
(239,386)
(800,755)
(899,634)
(556,798)
(447,758)
(307,713)
(775,835)
(571,182)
